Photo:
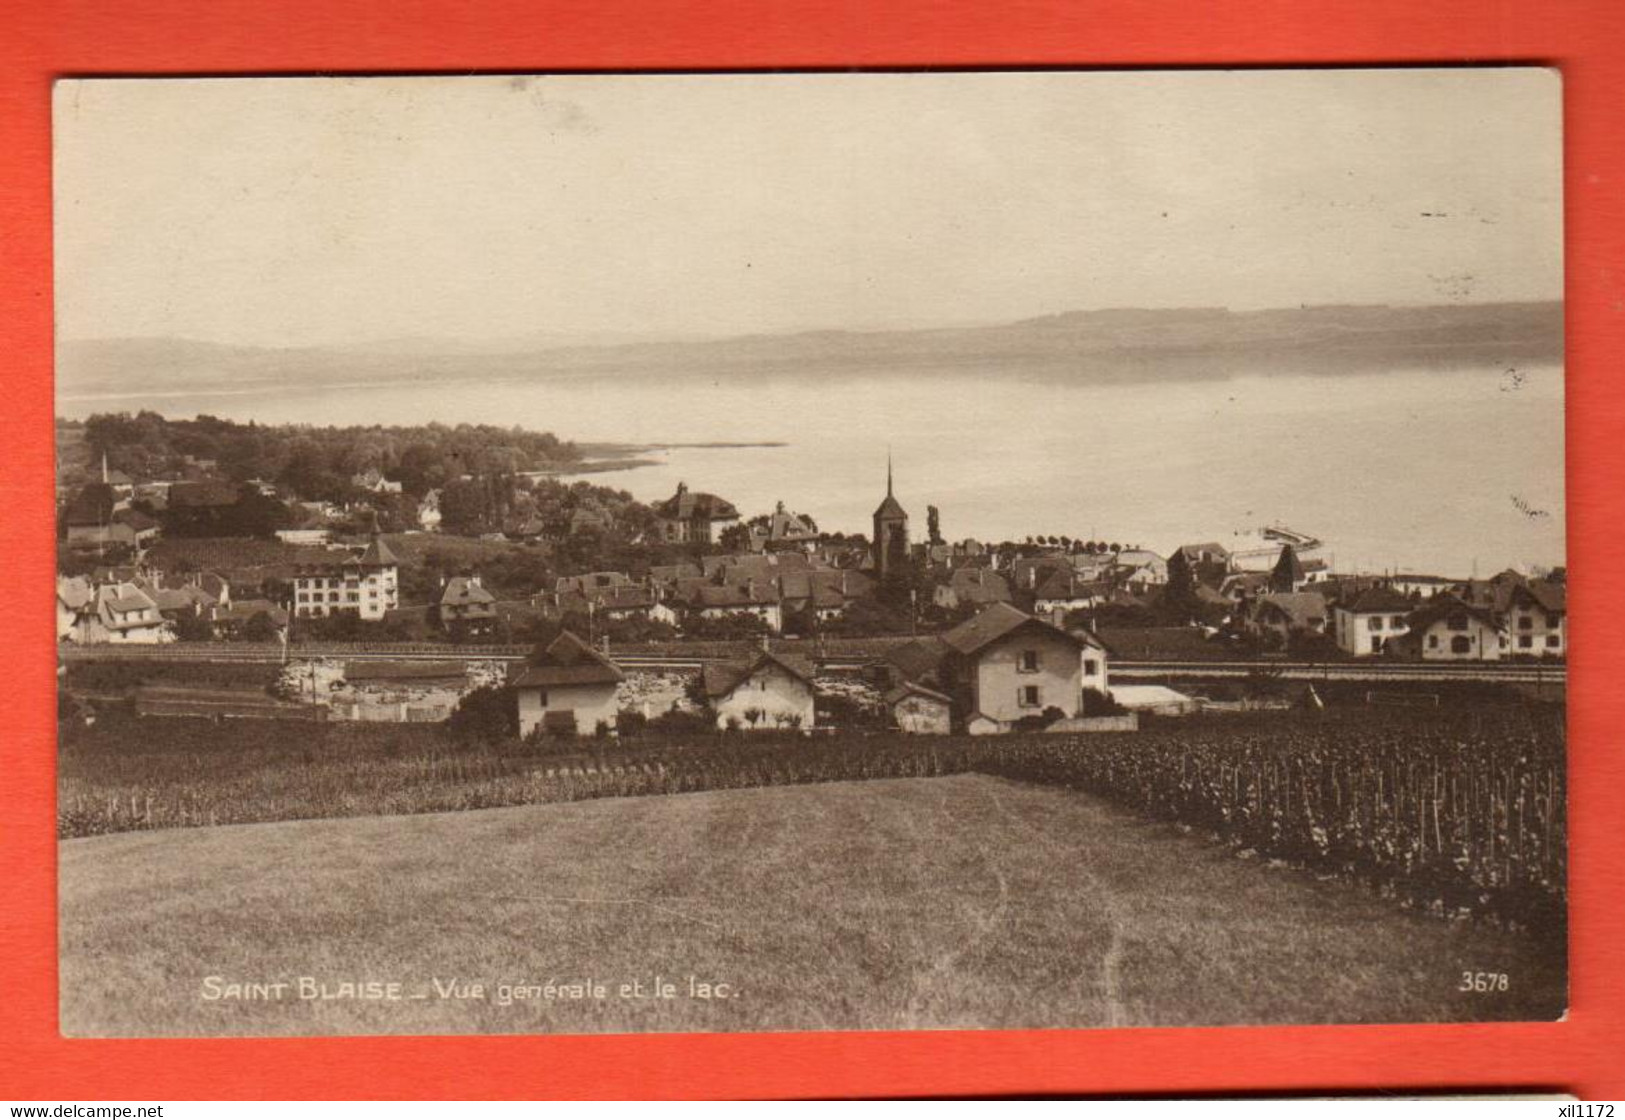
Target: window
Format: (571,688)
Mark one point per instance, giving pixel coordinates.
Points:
(1526,622)
(1553,622)
(1461,643)
(1433,641)
(1027,696)
(1029,661)
(1398,622)
(1376,645)
(1091,667)
(1526,641)
(1552,640)
(1374,623)
(541,697)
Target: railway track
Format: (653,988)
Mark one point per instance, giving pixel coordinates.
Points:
(221,652)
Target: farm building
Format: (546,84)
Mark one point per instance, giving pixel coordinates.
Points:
(570,689)
(1007,665)
(770,691)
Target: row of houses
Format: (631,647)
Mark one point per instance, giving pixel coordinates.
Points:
(149,609)
(999,671)
(1508,615)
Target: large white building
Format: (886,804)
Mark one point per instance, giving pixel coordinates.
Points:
(367,586)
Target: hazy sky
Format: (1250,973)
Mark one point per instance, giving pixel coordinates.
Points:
(318,211)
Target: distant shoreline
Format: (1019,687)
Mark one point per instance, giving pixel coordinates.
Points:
(606,458)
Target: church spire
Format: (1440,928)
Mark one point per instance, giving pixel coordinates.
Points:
(888,470)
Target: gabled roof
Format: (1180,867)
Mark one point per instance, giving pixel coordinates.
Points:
(919,658)
(126,597)
(691,505)
(735,596)
(622,597)
(181,598)
(242,610)
(720,680)
(1378,599)
(995,623)
(569,660)
(1068,584)
(1301,609)
(461,591)
(1441,608)
(979,586)
(914,688)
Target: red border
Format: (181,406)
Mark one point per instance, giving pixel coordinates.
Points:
(40,40)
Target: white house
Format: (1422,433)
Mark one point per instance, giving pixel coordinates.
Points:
(125,615)
(570,689)
(1007,665)
(1447,629)
(1535,614)
(1371,619)
(770,691)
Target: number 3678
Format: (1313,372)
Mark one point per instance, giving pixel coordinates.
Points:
(1484,982)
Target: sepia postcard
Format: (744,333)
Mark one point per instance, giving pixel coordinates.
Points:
(572,554)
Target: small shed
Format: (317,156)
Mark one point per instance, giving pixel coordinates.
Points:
(918,710)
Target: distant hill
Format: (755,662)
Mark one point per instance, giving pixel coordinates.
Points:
(1080,346)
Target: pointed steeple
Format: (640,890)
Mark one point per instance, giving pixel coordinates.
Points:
(888,469)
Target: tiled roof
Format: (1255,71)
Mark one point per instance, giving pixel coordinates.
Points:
(996,622)
(720,680)
(979,586)
(242,610)
(913,688)
(1302,609)
(1378,599)
(1444,607)
(919,658)
(569,660)
(461,591)
(689,505)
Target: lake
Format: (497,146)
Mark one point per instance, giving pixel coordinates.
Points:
(1434,471)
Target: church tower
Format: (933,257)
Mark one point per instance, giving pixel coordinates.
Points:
(891,532)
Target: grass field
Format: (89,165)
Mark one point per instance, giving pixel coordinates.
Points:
(963,901)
